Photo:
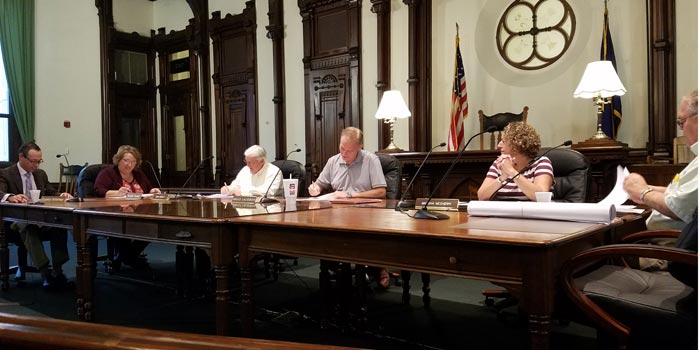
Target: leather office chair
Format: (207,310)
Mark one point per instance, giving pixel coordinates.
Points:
(639,308)
(86,189)
(499,120)
(295,170)
(86,179)
(571,177)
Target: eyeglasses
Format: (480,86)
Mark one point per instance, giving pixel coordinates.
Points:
(681,121)
(127,161)
(35,161)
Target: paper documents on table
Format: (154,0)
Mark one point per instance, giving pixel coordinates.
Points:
(219,195)
(618,195)
(583,212)
(325,197)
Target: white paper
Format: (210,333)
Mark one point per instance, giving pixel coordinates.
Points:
(219,195)
(325,197)
(582,212)
(617,196)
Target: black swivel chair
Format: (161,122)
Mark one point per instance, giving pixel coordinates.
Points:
(391,167)
(86,189)
(639,309)
(571,180)
(295,170)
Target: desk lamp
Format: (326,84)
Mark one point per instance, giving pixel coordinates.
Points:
(599,82)
(391,107)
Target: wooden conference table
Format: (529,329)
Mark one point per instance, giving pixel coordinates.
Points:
(526,254)
(523,253)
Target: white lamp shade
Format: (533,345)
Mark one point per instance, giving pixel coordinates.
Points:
(392,106)
(599,80)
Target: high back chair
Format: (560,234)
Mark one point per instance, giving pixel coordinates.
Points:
(499,120)
(571,175)
(86,179)
(68,177)
(291,169)
(681,151)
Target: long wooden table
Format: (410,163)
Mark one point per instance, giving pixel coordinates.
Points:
(524,254)
(521,253)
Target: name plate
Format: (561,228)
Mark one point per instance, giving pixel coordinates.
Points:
(438,203)
(245,199)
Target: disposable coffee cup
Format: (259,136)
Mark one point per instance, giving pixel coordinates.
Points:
(35,194)
(543,196)
(291,188)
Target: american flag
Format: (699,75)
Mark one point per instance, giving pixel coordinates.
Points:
(460,106)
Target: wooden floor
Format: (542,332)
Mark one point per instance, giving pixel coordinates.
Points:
(288,309)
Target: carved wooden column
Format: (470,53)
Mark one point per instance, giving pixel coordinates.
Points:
(383,10)
(661,52)
(275,32)
(106,20)
(200,37)
(419,67)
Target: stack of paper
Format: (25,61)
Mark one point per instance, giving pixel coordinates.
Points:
(584,212)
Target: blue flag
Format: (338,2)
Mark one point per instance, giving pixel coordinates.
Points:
(612,114)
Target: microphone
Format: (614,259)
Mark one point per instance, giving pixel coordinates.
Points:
(178,195)
(64,155)
(529,164)
(265,199)
(153,170)
(424,213)
(400,204)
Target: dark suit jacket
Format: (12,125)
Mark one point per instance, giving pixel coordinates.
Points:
(11,181)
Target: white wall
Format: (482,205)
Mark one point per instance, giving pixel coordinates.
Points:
(68,81)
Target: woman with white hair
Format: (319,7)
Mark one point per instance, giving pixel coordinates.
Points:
(255,178)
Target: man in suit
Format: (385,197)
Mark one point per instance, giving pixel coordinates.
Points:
(20,179)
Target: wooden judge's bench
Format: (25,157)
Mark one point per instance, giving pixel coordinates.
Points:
(466,177)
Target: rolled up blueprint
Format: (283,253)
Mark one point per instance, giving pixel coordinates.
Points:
(582,212)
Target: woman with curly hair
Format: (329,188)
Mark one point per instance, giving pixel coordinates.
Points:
(519,145)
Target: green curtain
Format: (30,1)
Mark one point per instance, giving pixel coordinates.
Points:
(17,42)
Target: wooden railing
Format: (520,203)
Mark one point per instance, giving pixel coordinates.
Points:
(23,332)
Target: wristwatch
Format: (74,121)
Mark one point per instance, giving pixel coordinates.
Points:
(644,193)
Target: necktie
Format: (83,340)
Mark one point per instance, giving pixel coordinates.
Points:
(28,184)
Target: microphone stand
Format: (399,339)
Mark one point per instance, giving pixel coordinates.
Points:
(400,204)
(265,199)
(178,195)
(529,164)
(155,174)
(424,213)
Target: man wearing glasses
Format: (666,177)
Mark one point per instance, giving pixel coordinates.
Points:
(20,179)
(674,205)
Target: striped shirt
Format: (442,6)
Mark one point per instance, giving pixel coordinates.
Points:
(511,191)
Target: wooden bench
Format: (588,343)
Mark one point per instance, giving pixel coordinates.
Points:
(23,332)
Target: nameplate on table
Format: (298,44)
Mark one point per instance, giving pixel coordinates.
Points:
(245,199)
(438,203)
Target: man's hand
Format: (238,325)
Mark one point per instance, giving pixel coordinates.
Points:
(155,190)
(18,198)
(314,189)
(66,195)
(634,184)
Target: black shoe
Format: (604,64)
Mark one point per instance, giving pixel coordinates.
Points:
(57,283)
